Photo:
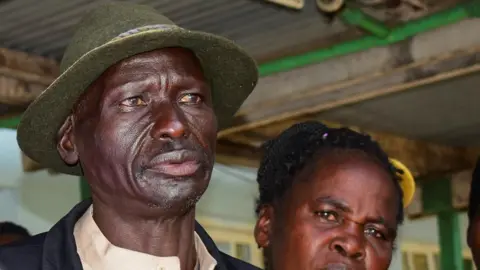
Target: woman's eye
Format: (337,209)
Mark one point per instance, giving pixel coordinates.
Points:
(191,99)
(329,216)
(134,102)
(375,233)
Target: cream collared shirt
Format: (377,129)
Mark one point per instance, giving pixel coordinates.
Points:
(97,253)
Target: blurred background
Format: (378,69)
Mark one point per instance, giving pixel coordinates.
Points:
(404,71)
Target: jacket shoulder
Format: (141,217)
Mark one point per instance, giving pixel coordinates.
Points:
(234,263)
(22,255)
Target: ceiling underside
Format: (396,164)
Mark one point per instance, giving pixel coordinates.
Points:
(45,27)
(447,112)
(265,30)
(441,112)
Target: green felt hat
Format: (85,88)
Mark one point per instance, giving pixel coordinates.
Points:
(113,32)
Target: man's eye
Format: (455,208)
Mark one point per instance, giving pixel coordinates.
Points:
(134,102)
(191,99)
(328,216)
(375,233)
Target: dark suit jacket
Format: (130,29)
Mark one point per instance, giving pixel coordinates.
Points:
(56,249)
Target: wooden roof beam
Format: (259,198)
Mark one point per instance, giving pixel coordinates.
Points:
(422,158)
(23,76)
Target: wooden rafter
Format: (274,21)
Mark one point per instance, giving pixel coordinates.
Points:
(23,76)
(423,158)
(321,98)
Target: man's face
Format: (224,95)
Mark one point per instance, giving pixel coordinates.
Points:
(339,214)
(145,132)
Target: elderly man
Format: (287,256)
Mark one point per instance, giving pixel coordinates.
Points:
(136,111)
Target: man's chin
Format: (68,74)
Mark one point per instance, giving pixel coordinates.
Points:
(174,195)
(171,193)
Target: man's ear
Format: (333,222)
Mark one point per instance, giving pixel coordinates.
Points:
(263,228)
(66,142)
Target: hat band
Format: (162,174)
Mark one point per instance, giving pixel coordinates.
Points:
(144,29)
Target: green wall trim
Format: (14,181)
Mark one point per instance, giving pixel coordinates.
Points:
(381,36)
(11,122)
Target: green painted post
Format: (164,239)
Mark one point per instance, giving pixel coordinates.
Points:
(84,189)
(450,241)
(437,199)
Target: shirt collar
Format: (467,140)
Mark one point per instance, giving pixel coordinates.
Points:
(96,252)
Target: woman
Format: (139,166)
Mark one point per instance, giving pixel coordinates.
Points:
(329,199)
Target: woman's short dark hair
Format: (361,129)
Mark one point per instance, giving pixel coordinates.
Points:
(286,155)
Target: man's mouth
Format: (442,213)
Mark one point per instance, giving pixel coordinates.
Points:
(176,163)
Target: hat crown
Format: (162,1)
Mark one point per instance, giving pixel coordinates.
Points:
(107,22)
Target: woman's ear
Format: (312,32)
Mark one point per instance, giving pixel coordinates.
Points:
(66,142)
(263,228)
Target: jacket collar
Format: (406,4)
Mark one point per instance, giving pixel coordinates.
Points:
(60,250)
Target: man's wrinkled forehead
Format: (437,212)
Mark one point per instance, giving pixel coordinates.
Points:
(138,67)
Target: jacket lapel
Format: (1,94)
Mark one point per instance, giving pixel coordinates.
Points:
(211,247)
(60,249)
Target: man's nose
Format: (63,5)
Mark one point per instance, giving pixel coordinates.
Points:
(169,123)
(348,244)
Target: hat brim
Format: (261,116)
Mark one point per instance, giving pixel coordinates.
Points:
(232,74)
(407,181)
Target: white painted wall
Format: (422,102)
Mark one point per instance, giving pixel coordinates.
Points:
(38,200)
(34,200)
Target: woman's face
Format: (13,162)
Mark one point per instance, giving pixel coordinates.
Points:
(340,213)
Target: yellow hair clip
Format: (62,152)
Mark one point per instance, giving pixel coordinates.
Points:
(407,182)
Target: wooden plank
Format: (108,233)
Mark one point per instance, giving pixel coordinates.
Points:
(304,95)
(461,189)
(28,64)
(23,76)
(415,209)
(422,158)
(229,153)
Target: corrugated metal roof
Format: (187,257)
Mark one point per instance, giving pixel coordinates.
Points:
(45,27)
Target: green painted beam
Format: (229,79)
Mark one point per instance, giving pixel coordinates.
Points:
(11,122)
(397,34)
(356,17)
